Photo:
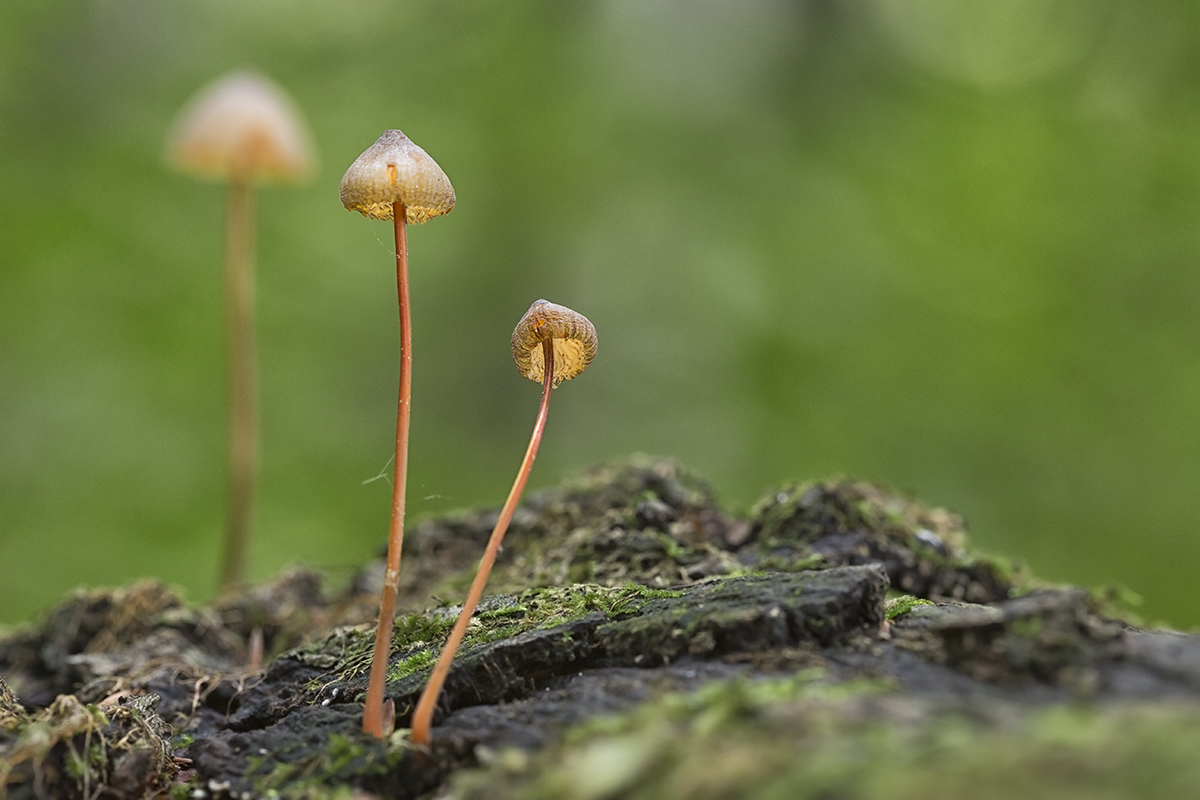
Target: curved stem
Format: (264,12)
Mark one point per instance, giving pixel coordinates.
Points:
(243,391)
(373,711)
(423,716)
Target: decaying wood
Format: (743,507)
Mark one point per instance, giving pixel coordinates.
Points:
(832,610)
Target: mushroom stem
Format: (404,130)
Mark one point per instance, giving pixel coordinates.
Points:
(423,715)
(376,721)
(243,392)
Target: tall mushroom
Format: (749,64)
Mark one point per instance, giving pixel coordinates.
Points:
(550,344)
(242,130)
(394,179)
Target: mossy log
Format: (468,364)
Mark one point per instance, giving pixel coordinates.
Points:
(838,641)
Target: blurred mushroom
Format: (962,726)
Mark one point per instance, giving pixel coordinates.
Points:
(240,129)
(551,344)
(394,179)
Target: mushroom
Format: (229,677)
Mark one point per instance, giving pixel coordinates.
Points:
(551,344)
(241,129)
(394,179)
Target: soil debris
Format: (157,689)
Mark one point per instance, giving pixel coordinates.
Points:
(71,750)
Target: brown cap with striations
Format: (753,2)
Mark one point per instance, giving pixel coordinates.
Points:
(394,170)
(574,341)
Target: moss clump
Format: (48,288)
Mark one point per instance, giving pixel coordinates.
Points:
(534,609)
(806,738)
(638,520)
(1046,636)
(897,607)
(652,522)
(324,771)
(424,659)
(345,654)
(924,549)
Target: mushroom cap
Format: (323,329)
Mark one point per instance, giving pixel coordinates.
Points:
(244,127)
(574,341)
(396,170)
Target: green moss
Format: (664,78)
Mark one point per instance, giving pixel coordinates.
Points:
(547,608)
(418,638)
(809,738)
(790,563)
(323,772)
(1012,571)
(75,766)
(414,630)
(674,550)
(539,609)
(1120,602)
(897,607)
(185,790)
(347,652)
(422,659)
(1027,627)
(501,613)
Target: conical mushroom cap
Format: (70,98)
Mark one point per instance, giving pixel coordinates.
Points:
(574,341)
(241,126)
(396,170)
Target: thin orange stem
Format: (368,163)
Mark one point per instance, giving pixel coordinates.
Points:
(243,390)
(373,711)
(423,716)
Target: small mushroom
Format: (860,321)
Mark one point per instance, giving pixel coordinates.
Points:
(241,129)
(394,170)
(394,179)
(572,337)
(551,344)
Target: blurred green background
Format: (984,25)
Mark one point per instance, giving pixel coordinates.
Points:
(948,246)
